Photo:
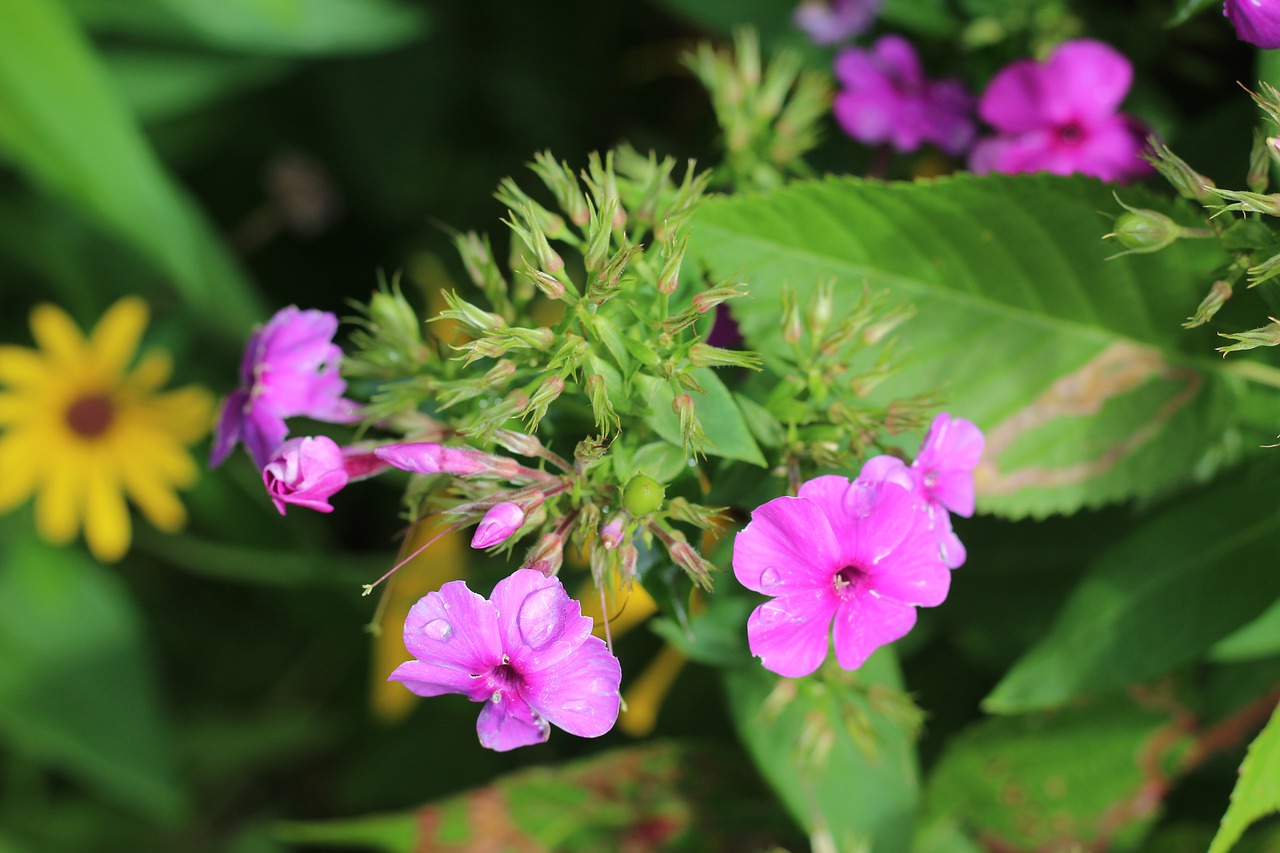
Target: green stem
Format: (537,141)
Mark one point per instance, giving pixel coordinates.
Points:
(1263,374)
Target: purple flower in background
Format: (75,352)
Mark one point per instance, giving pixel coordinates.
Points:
(527,654)
(885,98)
(861,554)
(1061,116)
(498,524)
(831,21)
(1256,21)
(290,369)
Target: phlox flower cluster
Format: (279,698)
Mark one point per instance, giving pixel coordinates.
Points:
(852,559)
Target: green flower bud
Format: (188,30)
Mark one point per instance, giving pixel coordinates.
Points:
(1145,231)
(642,495)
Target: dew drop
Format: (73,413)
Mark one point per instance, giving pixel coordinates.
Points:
(769,578)
(771,612)
(931,479)
(541,617)
(438,629)
(578,706)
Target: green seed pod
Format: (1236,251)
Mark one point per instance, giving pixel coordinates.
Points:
(1145,230)
(642,495)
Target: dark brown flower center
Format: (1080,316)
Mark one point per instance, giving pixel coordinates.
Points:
(90,415)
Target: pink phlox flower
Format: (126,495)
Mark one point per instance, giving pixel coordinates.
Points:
(305,471)
(1255,21)
(859,554)
(1060,116)
(290,369)
(428,457)
(527,654)
(832,21)
(886,98)
(498,524)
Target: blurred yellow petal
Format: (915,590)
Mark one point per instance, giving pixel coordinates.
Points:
(22,368)
(629,606)
(14,409)
(153,495)
(59,338)
(115,338)
(444,561)
(58,503)
(106,518)
(647,691)
(153,370)
(20,463)
(188,412)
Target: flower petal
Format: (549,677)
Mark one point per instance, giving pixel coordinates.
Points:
(230,425)
(454,627)
(433,679)
(1014,99)
(789,634)
(579,693)
(151,492)
(21,367)
(21,457)
(1087,81)
(864,623)
(914,574)
(60,496)
(788,547)
(59,337)
(506,723)
(115,339)
(107,527)
(540,625)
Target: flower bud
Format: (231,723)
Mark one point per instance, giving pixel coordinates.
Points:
(686,557)
(543,396)
(547,556)
(1259,174)
(550,286)
(1267,336)
(498,524)
(704,355)
(792,324)
(669,277)
(305,471)
(611,534)
(1188,182)
(642,495)
(606,417)
(691,433)
(1143,231)
(1218,294)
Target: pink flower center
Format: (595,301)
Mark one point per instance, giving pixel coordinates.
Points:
(503,679)
(848,579)
(1070,134)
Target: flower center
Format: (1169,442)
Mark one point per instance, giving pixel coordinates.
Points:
(1070,134)
(848,579)
(90,416)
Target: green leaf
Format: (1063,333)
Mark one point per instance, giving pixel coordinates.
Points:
(1077,779)
(1188,9)
(1076,367)
(162,84)
(837,747)
(1157,599)
(659,795)
(266,27)
(76,689)
(63,124)
(1259,639)
(1257,792)
(727,432)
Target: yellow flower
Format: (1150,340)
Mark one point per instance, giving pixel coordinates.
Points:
(80,432)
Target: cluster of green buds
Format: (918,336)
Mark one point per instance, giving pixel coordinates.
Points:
(1237,219)
(770,116)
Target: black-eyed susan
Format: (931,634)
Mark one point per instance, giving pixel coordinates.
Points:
(80,430)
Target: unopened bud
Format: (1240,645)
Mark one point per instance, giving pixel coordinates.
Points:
(476,320)
(792,324)
(1188,182)
(708,299)
(1142,231)
(543,396)
(1267,336)
(547,556)
(611,534)
(643,495)
(498,374)
(498,525)
(669,277)
(1265,203)
(1259,174)
(821,308)
(518,442)
(705,355)
(550,286)
(1218,294)
(686,557)
(601,408)
(691,433)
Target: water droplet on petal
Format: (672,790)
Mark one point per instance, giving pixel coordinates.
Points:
(577,706)
(438,629)
(541,617)
(769,578)
(930,479)
(771,612)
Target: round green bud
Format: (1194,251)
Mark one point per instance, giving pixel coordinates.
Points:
(642,495)
(1145,230)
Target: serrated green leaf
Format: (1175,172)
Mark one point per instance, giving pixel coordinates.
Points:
(1075,366)
(76,689)
(265,27)
(660,795)
(1155,600)
(1257,792)
(727,431)
(838,749)
(1077,779)
(63,124)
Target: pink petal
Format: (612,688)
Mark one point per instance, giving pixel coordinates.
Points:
(789,634)
(498,524)
(419,457)
(864,623)
(454,628)
(1085,80)
(579,693)
(894,516)
(897,59)
(540,625)
(788,547)
(1014,99)
(430,679)
(230,425)
(951,443)
(507,722)
(915,574)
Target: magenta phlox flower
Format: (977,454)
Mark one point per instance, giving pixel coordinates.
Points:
(1256,21)
(498,524)
(306,472)
(832,21)
(428,457)
(1060,116)
(527,654)
(859,554)
(290,369)
(886,98)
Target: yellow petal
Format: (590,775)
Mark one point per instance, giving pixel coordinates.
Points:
(58,501)
(21,367)
(115,338)
(135,439)
(151,493)
(187,413)
(14,409)
(646,693)
(106,518)
(153,370)
(20,459)
(58,336)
